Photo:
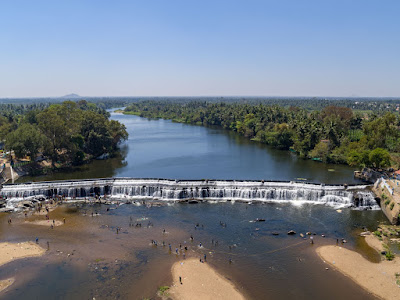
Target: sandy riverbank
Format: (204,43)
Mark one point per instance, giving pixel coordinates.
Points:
(10,252)
(200,281)
(377,278)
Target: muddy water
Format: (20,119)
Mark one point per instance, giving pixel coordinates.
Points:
(87,258)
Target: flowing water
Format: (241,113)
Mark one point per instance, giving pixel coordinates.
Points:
(87,258)
(164,149)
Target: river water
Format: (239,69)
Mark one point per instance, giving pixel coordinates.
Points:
(88,259)
(164,149)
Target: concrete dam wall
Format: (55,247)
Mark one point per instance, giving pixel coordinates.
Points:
(131,189)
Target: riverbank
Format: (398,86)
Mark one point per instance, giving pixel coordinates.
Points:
(381,279)
(200,281)
(10,252)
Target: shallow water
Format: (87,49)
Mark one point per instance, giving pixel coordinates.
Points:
(106,265)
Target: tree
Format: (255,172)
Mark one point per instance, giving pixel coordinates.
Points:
(358,158)
(321,151)
(26,140)
(379,158)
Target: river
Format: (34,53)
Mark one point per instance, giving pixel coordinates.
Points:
(87,259)
(164,149)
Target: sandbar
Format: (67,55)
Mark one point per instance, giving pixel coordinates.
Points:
(11,251)
(200,281)
(4,284)
(45,222)
(374,243)
(377,278)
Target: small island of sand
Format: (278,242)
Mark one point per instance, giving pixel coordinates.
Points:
(45,222)
(377,278)
(200,281)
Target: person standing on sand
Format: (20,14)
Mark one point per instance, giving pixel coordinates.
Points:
(64,220)
(180,279)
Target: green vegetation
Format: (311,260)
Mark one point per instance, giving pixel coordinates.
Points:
(391,205)
(387,202)
(378,233)
(389,255)
(66,133)
(163,290)
(333,134)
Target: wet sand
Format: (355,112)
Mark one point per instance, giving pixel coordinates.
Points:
(45,222)
(4,284)
(200,281)
(377,278)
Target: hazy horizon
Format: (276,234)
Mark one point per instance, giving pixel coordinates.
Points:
(198,49)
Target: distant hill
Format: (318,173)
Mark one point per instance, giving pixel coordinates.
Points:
(71,96)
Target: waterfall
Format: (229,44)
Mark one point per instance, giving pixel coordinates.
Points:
(357,196)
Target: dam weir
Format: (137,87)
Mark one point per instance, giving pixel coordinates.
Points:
(132,189)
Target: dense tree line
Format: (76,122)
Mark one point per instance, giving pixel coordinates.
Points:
(364,104)
(333,134)
(70,132)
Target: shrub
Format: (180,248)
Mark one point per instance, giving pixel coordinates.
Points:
(389,255)
(391,205)
(378,233)
(387,202)
(163,289)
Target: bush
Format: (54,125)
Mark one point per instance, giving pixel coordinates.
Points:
(163,289)
(387,202)
(389,255)
(378,233)
(391,205)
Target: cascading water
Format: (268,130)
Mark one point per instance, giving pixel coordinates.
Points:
(356,196)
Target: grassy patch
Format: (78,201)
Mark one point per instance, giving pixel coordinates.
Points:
(378,233)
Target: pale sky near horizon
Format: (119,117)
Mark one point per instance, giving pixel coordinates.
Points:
(200,48)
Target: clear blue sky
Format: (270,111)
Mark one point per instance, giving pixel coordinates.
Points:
(200,47)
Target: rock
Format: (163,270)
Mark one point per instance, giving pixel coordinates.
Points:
(275,233)
(326,268)
(302,235)
(365,233)
(291,232)
(308,233)
(323,235)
